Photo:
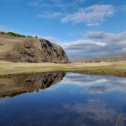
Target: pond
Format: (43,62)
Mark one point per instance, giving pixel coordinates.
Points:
(62,99)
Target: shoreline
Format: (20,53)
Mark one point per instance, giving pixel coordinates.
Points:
(103,68)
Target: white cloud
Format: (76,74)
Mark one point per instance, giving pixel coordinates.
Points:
(107,36)
(82,42)
(98,44)
(92,15)
(49,15)
(56,4)
(74,11)
(84,48)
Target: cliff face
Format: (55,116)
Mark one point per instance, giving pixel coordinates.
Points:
(30,50)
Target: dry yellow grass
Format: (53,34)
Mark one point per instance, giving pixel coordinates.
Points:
(105,68)
(7,43)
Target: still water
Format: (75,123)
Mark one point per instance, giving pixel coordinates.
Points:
(59,99)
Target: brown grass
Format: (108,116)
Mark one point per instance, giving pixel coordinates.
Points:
(104,68)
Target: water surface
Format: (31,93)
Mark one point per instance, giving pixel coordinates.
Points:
(59,99)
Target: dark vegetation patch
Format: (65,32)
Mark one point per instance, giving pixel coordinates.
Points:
(16,35)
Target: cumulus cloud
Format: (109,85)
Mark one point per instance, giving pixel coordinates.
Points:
(78,43)
(73,11)
(92,15)
(98,44)
(107,36)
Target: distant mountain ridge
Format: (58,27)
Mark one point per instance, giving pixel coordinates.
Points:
(111,58)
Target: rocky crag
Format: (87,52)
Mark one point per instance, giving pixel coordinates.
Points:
(30,49)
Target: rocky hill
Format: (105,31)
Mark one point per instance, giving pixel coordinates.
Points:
(19,48)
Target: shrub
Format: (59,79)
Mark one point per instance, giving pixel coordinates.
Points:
(29,36)
(15,34)
(2,33)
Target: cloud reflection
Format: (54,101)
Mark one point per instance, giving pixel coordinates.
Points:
(96,84)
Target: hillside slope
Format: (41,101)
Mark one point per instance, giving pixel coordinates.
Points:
(26,49)
(111,58)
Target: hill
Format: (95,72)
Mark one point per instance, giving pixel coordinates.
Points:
(111,58)
(19,48)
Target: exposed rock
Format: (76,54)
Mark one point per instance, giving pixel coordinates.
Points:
(31,50)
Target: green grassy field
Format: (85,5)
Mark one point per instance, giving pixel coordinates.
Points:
(114,69)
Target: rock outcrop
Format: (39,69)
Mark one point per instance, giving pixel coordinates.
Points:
(30,50)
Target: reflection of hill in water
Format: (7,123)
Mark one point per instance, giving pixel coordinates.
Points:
(15,85)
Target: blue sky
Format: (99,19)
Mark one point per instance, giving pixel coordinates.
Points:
(85,28)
